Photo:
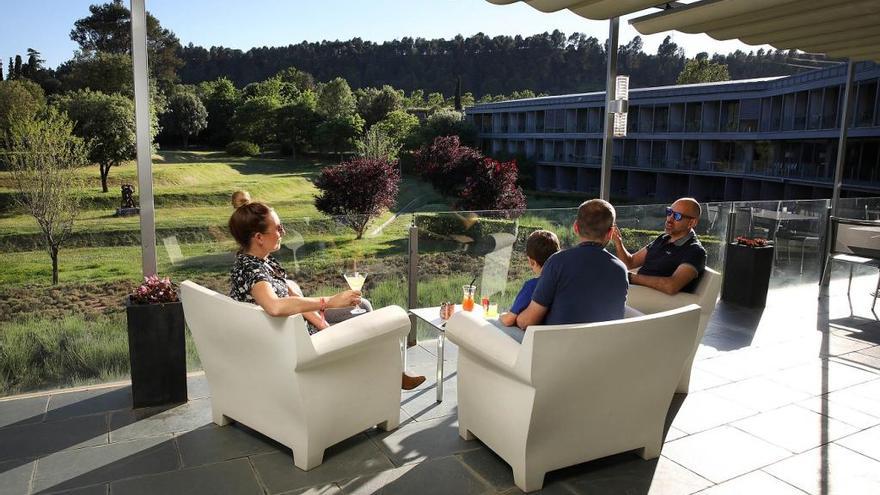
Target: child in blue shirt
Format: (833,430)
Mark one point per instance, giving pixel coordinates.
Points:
(540,245)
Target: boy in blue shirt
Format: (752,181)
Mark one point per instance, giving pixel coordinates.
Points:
(540,245)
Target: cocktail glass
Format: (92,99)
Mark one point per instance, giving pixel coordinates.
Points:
(356,281)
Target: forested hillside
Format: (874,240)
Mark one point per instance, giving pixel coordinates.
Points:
(550,63)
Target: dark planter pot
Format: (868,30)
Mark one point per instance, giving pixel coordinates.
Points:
(747,275)
(157,349)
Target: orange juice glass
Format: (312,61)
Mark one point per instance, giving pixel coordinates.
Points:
(467,300)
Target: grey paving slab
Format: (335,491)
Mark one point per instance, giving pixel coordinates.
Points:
(830,470)
(760,394)
(756,482)
(863,359)
(345,460)
(422,440)
(103,489)
(130,424)
(324,489)
(673,434)
(794,428)
(22,411)
(30,440)
(72,404)
(865,442)
(818,380)
(231,477)
(704,410)
(220,443)
(723,453)
(703,380)
(861,397)
(15,477)
(636,475)
(197,387)
(491,468)
(116,461)
(841,412)
(424,406)
(436,477)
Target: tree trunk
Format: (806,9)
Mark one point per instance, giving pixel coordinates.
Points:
(53,252)
(185,141)
(105,171)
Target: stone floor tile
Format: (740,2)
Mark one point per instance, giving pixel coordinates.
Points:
(423,405)
(865,442)
(837,345)
(674,434)
(30,440)
(231,477)
(345,460)
(830,470)
(116,461)
(440,477)
(102,489)
(221,443)
(705,410)
(631,474)
(723,453)
(197,387)
(150,422)
(15,477)
(323,489)
(839,411)
(492,468)
(760,394)
(862,397)
(96,401)
(818,380)
(794,428)
(17,412)
(703,380)
(866,360)
(756,482)
(421,440)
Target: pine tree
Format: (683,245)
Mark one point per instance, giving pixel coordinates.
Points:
(18,66)
(10,74)
(1,72)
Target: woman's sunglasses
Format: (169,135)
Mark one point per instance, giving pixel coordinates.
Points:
(676,215)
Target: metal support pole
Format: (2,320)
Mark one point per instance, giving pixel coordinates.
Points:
(413,279)
(608,138)
(144,140)
(841,143)
(731,223)
(825,274)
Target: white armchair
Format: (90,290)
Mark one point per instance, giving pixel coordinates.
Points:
(569,393)
(648,301)
(306,392)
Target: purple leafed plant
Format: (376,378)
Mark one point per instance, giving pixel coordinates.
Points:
(155,290)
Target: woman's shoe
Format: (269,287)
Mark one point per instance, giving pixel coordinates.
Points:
(410,382)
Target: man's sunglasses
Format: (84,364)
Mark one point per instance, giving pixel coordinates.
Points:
(676,215)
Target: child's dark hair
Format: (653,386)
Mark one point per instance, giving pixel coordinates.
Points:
(540,245)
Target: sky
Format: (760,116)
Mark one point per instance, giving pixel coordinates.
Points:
(45,24)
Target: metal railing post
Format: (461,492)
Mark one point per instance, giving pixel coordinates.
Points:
(413,279)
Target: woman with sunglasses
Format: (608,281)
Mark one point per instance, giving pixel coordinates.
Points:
(258,278)
(675,260)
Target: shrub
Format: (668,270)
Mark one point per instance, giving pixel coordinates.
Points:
(358,190)
(446,164)
(242,148)
(155,290)
(492,186)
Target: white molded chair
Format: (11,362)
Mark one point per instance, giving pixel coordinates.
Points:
(648,301)
(569,393)
(306,392)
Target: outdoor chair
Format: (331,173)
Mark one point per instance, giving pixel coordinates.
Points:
(306,392)
(569,393)
(648,301)
(854,242)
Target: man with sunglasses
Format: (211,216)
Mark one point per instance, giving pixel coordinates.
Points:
(675,260)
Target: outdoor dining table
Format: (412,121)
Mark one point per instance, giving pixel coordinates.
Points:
(431,316)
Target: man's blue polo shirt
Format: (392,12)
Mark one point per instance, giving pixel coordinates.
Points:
(583,284)
(664,257)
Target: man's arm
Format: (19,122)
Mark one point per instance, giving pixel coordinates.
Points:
(669,285)
(533,315)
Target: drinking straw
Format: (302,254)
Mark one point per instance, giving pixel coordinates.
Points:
(474,280)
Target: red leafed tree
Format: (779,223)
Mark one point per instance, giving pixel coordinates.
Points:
(446,164)
(492,186)
(357,191)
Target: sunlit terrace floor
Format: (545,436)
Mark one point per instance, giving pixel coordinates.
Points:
(784,400)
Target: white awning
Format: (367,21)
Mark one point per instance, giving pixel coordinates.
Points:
(836,28)
(591,9)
